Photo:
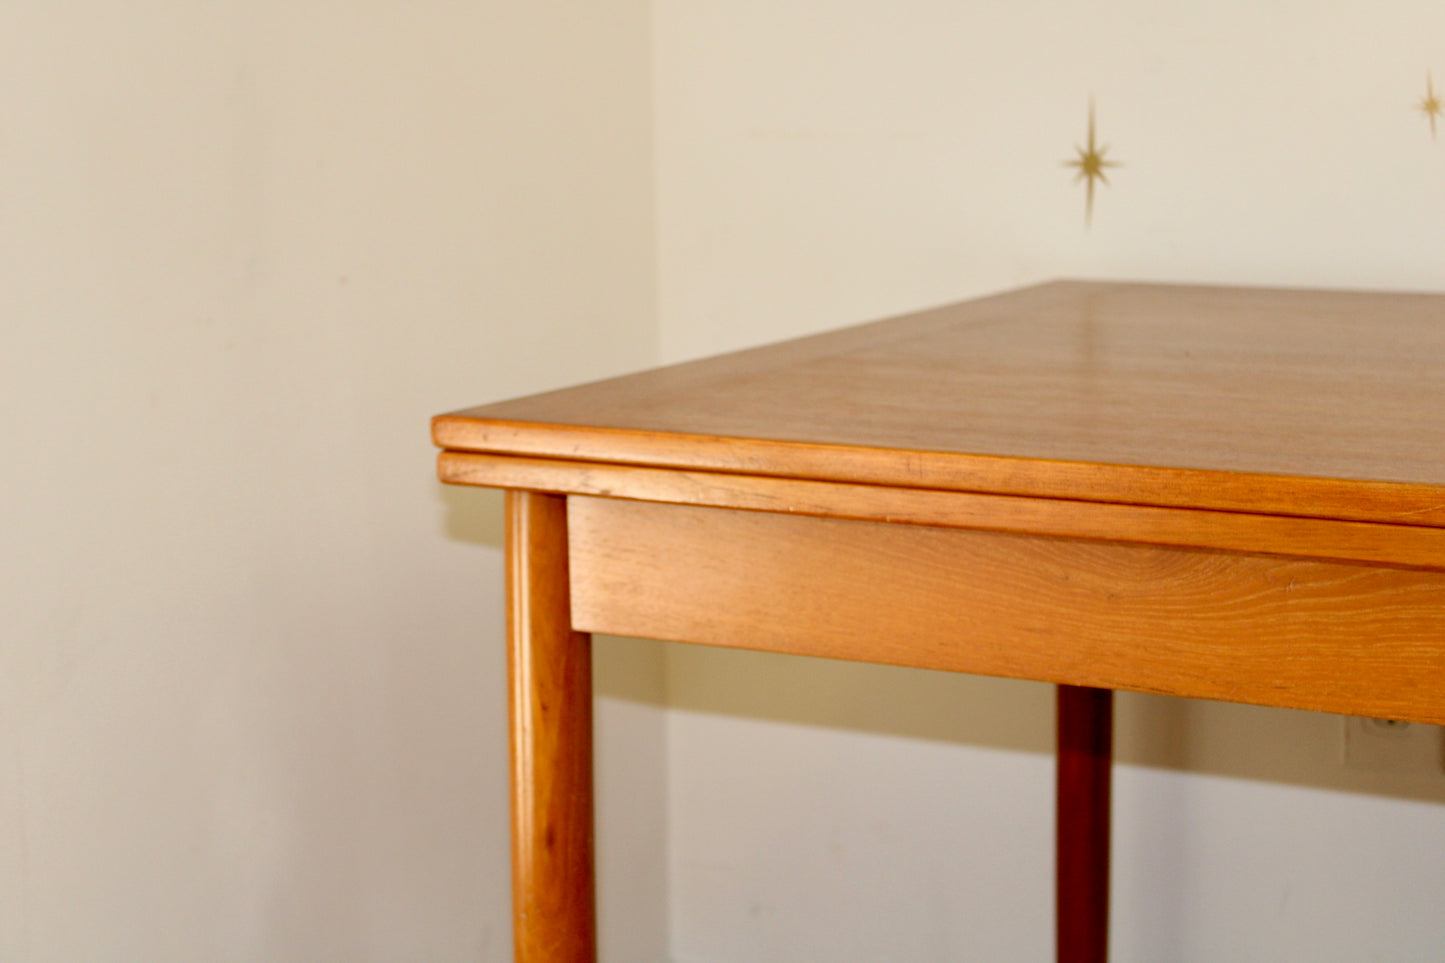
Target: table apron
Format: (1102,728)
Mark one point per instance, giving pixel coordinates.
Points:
(1332,636)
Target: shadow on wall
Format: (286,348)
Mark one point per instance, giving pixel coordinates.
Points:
(626,669)
(473,515)
(1284,746)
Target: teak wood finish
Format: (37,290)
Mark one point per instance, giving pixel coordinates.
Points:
(1214,492)
(1247,628)
(549,669)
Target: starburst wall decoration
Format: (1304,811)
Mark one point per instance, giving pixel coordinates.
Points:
(1430,105)
(1090,164)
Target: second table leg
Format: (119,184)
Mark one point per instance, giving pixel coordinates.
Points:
(1085,757)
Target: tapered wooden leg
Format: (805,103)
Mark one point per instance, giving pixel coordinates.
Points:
(549,671)
(1086,727)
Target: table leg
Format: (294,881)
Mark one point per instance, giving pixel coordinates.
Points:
(549,670)
(1085,737)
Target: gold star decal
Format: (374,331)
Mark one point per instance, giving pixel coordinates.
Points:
(1431,105)
(1090,164)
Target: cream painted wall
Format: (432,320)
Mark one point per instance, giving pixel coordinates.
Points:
(827,163)
(250,699)
(251,696)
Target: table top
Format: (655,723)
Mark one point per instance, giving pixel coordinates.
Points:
(1315,404)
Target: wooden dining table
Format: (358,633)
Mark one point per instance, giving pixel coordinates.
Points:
(1215,492)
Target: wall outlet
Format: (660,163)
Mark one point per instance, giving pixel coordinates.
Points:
(1383,745)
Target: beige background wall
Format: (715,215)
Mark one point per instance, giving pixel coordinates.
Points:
(831,162)
(250,652)
(250,664)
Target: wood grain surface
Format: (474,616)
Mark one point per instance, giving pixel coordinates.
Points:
(1220,493)
(1258,400)
(1408,545)
(1330,636)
